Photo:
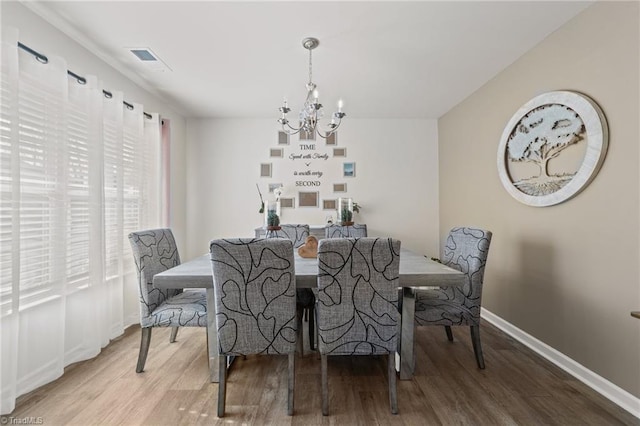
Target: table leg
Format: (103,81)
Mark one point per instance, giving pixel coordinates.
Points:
(212,336)
(407,356)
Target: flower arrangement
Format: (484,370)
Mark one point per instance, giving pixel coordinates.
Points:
(277,192)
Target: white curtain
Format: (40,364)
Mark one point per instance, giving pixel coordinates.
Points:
(78,172)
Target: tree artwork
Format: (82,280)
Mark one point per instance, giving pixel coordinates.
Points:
(540,136)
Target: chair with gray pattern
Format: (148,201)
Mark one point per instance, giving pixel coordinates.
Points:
(255,297)
(466,250)
(356,305)
(298,234)
(154,251)
(351,231)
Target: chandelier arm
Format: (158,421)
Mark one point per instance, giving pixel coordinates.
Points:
(293,130)
(328,132)
(323,136)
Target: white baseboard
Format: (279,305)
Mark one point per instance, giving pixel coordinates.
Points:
(131,319)
(598,383)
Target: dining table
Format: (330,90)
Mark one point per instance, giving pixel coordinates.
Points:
(416,271)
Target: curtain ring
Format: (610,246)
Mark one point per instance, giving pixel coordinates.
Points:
(79,79)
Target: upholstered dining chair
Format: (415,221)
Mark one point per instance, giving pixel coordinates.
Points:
(356,305)
(297,233)
(254,285)
(358,230)
(466,250)
(154,251)
(305,299)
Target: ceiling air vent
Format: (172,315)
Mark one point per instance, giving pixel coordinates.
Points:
(144,54)
(148,59)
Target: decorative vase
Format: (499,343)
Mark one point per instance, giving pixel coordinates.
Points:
(345,211)
(271,207)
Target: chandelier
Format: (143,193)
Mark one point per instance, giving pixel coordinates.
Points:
(311,111)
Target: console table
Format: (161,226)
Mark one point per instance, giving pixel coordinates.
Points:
(315,230)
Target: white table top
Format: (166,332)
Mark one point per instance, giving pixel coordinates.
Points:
(415,271)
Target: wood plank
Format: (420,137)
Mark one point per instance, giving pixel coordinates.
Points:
(517,387)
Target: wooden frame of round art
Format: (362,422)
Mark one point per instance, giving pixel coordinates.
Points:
(596,135)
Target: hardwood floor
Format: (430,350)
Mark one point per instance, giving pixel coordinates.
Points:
(517,387)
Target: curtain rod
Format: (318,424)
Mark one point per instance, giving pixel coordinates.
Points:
(81,80)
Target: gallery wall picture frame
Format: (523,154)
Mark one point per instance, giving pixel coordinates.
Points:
(287,203)
(276,152)
(552,148)
(308,198)
(332,139)
(265,169)
(339,187)
(339,152)
(349,169)
(329,204)
(283,138)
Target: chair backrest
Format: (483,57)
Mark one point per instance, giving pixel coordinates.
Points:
(466,250)
(154,251)
(255,294)
(296,233)
(358,296)
(338,231)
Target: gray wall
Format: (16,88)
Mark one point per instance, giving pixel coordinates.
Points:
(567,274)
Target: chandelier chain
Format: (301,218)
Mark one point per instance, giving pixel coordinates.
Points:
(310,67)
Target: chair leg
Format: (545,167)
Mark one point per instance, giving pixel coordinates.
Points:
(325,385)
(449,333)
(222,384)
(292,383)
(477,347)
(393,389)
(174,334)
(145,340)
(312,328)
(316,334)
(300,342)
(206,332)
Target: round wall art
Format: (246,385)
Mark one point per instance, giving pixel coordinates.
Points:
(552,148)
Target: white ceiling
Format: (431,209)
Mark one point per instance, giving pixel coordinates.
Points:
(239,59)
